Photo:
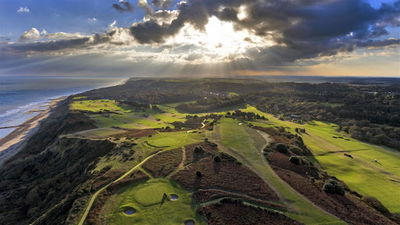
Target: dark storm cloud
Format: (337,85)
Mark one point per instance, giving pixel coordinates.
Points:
(303,28)
(123,6)
(23,48)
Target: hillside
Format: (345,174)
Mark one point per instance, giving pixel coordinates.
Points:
(210,151)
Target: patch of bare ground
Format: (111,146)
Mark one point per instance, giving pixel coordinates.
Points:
(236,213)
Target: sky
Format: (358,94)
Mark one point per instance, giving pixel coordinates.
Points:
(195,38)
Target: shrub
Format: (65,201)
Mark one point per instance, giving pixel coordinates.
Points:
(217,159)
(296,150)
(329,188)
(282,148)
(295,160)
(333,187)
(376,204)
(198,150)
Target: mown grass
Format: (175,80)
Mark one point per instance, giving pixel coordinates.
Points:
(100,105)
(132,119)
(146,198)
(246,146)
(373,171)
(171,140)
(147,145)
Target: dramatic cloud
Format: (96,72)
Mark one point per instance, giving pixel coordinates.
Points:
(229,34)
(23,10)
(302,28)
(123,6)
(32,34)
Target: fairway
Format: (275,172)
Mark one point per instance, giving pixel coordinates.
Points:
(171,140)
(243,144)
(152,204)
(373,170)
(97,106)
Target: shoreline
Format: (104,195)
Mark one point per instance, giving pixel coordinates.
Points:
(23,131)
(16,139)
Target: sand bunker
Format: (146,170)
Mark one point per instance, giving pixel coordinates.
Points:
(189,222)
(129,210)
(174,197)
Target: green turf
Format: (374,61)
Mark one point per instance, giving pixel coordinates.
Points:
(97,106)
(171,140)
(146,198)
(363,173)
(135,119)
(243,143)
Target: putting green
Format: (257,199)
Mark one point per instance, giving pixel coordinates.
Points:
(149,203)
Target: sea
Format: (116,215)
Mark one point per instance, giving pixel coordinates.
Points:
(22,96)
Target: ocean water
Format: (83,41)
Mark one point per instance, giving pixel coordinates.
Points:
(19,95)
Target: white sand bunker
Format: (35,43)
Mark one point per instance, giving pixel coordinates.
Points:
(189,222)
(174,197)
(129,210)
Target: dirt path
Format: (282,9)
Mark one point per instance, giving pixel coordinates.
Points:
(180,166)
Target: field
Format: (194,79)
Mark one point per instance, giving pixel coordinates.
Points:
(171,140)
(151,207)
(240,141)
(97,106)
(370,169)
(373,170)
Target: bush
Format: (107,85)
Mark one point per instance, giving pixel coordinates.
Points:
(217,159)
(282,148)
(198,150)
(296,150)
(295,160)
(376,204)
(329,188)
(333,187)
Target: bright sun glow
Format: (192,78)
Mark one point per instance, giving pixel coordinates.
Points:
(219,41)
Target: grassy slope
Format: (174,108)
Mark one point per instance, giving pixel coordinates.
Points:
(97,105)
(171,140)
(244,144)
(146,199)
(363,174)
(164,141)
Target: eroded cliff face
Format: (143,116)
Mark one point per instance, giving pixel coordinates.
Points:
(41,182)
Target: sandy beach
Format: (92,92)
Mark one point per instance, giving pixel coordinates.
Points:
(24,130)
